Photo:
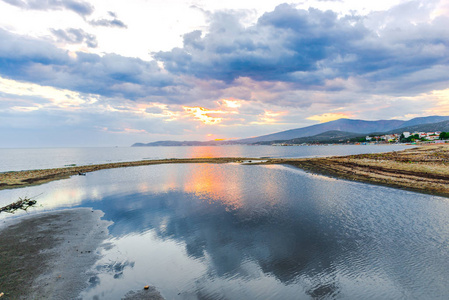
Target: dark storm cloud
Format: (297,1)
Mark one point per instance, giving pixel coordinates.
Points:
(80,7)
(308,47)
(40,62)
(114,22)
(76,36)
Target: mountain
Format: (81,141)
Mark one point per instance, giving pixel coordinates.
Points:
(347,125)
(440,126)
(331,136)
(183,143)
(425,120)
(342,125)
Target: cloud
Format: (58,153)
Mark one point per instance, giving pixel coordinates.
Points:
(114,22)
(326,117)
(311,61)
(311,47)
(75,36)
(38,61)
(80,7)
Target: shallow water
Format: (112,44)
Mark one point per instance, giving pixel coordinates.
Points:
(45,158)
(258,232)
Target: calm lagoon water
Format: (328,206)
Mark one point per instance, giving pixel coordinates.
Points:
(257,232)
(45,158)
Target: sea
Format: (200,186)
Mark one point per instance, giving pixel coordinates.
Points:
(46,158)
(233,231)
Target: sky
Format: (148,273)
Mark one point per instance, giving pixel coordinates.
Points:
(76,73)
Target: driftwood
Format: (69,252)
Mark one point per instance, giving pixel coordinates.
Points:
(23,204)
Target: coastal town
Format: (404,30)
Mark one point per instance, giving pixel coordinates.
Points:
(407,137)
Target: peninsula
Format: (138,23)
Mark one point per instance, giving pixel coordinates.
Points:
(424,169)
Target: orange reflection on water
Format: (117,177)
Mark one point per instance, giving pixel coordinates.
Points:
(271,188)
(169,179)
(207,152)
(211,182)
(229,185)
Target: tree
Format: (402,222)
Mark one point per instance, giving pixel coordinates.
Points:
(444,135)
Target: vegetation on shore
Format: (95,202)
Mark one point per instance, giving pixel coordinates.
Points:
(22,203)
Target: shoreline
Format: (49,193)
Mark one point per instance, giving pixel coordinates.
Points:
(37,249)
(424,169)
(18,179)
(52,255)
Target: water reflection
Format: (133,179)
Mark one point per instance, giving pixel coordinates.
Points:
(251,232)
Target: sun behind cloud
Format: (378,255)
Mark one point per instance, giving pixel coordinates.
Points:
(327,117)
(203,114)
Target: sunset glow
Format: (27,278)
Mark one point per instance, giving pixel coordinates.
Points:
(202,114)
(231,103)
(172,72)
(328,117)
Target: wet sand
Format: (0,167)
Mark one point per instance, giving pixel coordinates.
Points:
(49,255)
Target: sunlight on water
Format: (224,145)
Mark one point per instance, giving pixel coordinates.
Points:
(257,232)
(45,158)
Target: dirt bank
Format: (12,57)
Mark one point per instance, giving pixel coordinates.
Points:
(19,179)
(424,169)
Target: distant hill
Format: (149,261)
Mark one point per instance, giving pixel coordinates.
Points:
(331,136)
(343,126)
(346,125)
(336,136)
(179,143)
(425,120)
(440,126)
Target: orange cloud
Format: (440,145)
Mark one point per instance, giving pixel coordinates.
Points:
(329,117)
(269,117)
(202,114)
(441,99)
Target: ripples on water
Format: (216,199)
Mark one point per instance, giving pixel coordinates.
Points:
(258,232)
